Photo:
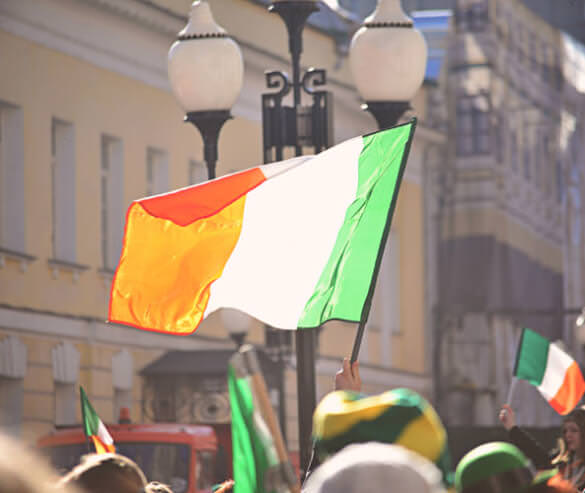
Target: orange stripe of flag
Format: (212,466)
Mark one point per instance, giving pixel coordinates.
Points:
(570,392)
(165,272)
(187,205)
(101,447)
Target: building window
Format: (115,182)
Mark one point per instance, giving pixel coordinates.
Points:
(519,43)
(65,404)
(560,186)
(472,17)
(546,64)
(197,172)
(12,207)
(63,190)
(112,200)
(13,362)
(473,126)
(558,72)
(122,373)
(157,172)
(65,375)
(385,310)
(533,54)
(499,132)
(478,16)
(527,158)
(546,163)
(513,150)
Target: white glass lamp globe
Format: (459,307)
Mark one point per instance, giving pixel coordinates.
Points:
(387,55)
(235,321)
(205,66)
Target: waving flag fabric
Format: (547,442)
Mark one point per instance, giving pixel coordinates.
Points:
(293,244)
(94,428)
(555,374)
(254,453)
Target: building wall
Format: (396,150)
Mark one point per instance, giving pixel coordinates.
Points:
(503,262)
(101,67)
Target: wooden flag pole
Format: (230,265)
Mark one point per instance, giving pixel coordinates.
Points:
(267,411)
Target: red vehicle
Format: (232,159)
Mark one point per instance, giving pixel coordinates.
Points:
(182,456)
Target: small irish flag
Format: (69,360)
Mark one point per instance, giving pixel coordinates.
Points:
(293,244)
(554,373)
(94,428)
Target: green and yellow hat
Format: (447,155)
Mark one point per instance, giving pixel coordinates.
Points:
(496,467)
(399,416)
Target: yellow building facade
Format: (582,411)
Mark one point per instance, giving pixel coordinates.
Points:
(88,124)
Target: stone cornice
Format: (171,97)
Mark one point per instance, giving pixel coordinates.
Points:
(143,12)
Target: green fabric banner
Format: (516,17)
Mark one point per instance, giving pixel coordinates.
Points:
(253,448)
(531,357)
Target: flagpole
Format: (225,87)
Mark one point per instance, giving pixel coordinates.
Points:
(368,302)
(267,412)
(511,390)
(357,342)
(81,392)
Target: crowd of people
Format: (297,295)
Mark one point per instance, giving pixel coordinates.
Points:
(393,441)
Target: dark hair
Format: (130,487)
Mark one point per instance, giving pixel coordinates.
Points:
(576,416)
(22,470)
(106,473)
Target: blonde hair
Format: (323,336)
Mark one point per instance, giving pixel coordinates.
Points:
(23,471)
(576,416)
(105,473)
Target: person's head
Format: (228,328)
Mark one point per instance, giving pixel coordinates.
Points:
(106,473)
(374,467)
(399,416)
(156,487)
(496,467)
(573,432)
(22,471)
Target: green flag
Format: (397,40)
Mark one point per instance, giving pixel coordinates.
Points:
(94,428)
(257,468)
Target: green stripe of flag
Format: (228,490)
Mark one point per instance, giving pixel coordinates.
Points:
(91,421)
(345,283)
(531,357)
(250,445)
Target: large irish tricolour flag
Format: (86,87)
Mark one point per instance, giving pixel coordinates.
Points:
(293,244)
(545,365)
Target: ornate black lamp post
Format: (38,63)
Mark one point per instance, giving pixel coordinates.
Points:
(206,73)
(298,126)
(388,60)
(237,324)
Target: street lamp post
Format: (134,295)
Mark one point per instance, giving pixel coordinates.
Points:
(237,324)
(206,73)
(387,58)
(298,126)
